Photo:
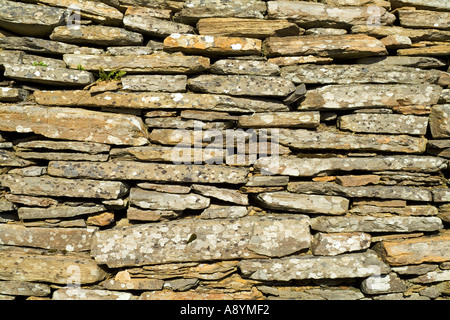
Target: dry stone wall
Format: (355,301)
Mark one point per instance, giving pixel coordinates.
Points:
(241,149)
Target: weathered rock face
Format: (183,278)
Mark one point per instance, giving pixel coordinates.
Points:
(248,237)
(224,149)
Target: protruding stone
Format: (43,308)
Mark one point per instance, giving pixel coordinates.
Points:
(22,288)
(439,121)
(41,46)
(167,201)
(164,83)
(249,28)
(381,284)
(10,159)
(12,94)
(290,61)
(248,237)
(97,35)
(280,120)
(417,62)
(59,211)
(223,194)
(344,47)
(304,203)
(396,42)
(414,34)
(438,50)
(332,244)
(153,26)
(212,45)
(352,265)
(215,211)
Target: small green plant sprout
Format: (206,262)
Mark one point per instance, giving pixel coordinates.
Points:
(80,67)
(110,75)
(41,64)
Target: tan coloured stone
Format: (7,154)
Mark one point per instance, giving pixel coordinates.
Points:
(185,241)
(223,194)
(21,288)
(31,201)
(357,181)
(311,14)
(332,244)
(342,46)
(10,159)
(68,239)
(370,95)
(40,266)
(154,100)
(154,200)
(211,294)
(396,42)
(424,19)
(58,211)
(150,215)
(212,45)
(152,63)
(280,120)
(229,212)
(402,211)
(90,294)
(59,123)
(240,66)
(418,62)
(12,94)
(97,35)
(289,61)
(438,50)
(85,147)
(100,220)
(439,121)
(416,250)
(166,83)
(414,34)
(153,26)
(382,3)
(128,170)
(437,5)
(249,28)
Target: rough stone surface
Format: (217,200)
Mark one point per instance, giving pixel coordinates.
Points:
(97,35)
(424,19)
(418,62)
(254,237)
(280,120)
(414,34)
(439,121)
(250,67)
(162,201)
(381,284)
(331,244)
(153,26)
(166,83)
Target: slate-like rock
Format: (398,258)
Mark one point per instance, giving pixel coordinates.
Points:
(303,203)
(332,244)
(416,250)
(22,288)
(424,19)
(154,100)
(352,74)
(78,293)
(439,121)
(414,34)
(212,45)
(351,265)
(59,187)
(10,159)
(165,83)
(59,123)
(211,294)
(39,266)
(154,200)
(249,28)
(418,62)
(323,140)
(29,19)
(85,147)
(384,123)
(154,27)
(248,237)
(311,14)
(342,46)
(354,96)
(280,120)
(250,67)
(12,94)
(375,224)
(382,284)
(422,4)
(223,194)
(97,35)
(129,170)
(241,85)
(437,50)
(59,211)
(68,239)
(215,211)
(305,167)
(49,75)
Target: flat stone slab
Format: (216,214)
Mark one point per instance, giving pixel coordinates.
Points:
(320,140)
(438,50)
(50,268)
(424,19)
(303,203)
(311,15)
(152,63)
(351,265)
(414,34)
(155,200)
(332,244)
(59,187)
(90,294)
(384,123)
(224,194)
(155,100)
(85,147)
(59,211)
(68,239)
(422,4)
(240,66)
(304,167)
(29,19)
(417,62)
(347,46)
(22,288)
(49,75)
(224,212)
(97,35)
(248,28)
(10,159)
(439,121)
(212,45)
(129,170)
(241,85)
(153,26)
(375,224)
(352,74)
(280,120)
(58,123)
(165,83)
(227,239)
(12,94)
(419,250)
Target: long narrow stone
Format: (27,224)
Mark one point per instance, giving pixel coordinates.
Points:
(304,167)
(29,19)
(227,239)
(303,203)
(311,14)
(223,194)
(156,100)
(424,19)
(87,147)
(340,46)
(128,170)
(249,28)
(58,211)
(416,250)
(152,63)
(437,5)
(59,123)
(97,35)
(384,123)
(414,34)
(417,62)
(59,187)
(352,74)
(155,83)
(240,66)
(67,269)
(280,120)
(68,239)
(10,159)
(375,224)
(369,96)
(155,27)
(437,50)
(154,200)
(352,265)
(22,288)
(323,140)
